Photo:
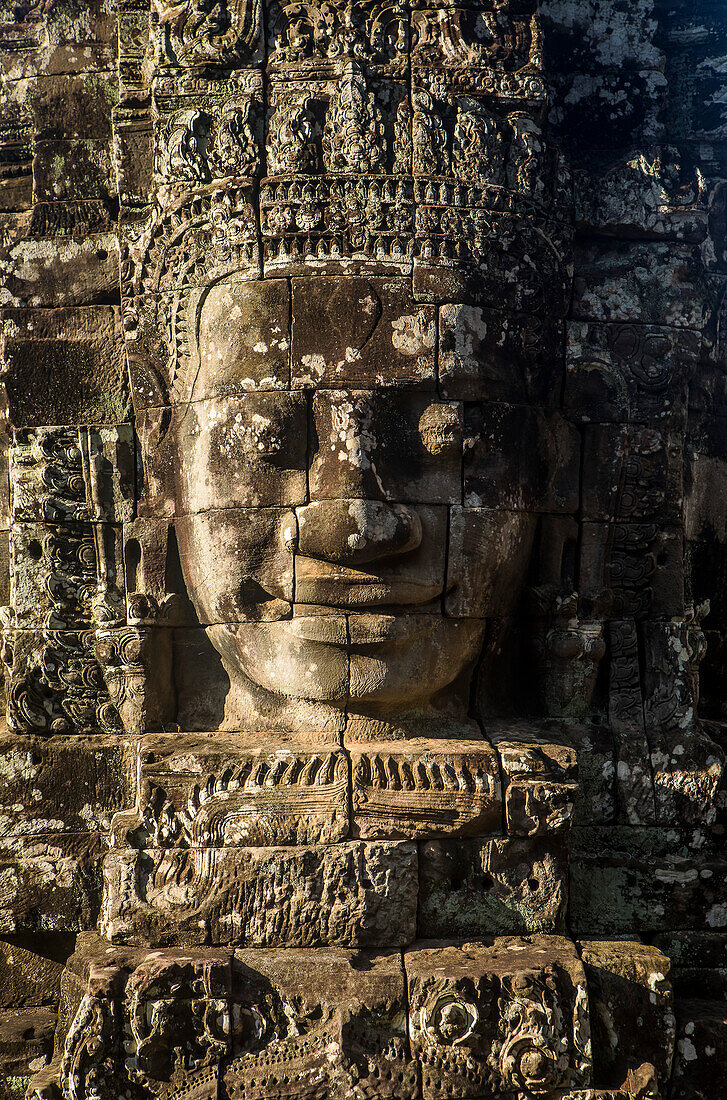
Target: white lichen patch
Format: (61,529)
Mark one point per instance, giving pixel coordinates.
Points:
(716,916)
(412,335)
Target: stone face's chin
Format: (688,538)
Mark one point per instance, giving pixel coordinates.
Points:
(420,657)
(397,660)
(278,662)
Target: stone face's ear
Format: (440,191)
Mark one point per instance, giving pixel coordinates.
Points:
(148,387)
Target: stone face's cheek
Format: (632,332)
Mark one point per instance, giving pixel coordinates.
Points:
(487,561)
(238,563)
(246,451)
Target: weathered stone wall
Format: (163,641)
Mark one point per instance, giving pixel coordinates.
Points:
(363,505)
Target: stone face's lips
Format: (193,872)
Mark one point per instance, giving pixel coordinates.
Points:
(334,592)
(361,630)
(349,588)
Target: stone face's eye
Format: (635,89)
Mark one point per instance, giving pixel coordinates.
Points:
(265,436)
(439,428)
(266,433)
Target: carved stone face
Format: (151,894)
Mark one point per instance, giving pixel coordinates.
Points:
(343,532)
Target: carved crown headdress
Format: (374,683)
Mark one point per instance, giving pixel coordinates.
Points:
(385,136)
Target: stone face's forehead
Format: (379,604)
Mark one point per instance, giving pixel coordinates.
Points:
(365,331)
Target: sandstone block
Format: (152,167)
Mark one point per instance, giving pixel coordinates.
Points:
(206,700)
(253,550)
(54,683)
(354,532)
(640,563)
(486,355)
(349,1032)
(416,577)
(420,789)
(195,793)
(655,195)
(250,349)
(698,949)
(590,37)
(132,133)
(151,569)
(540,780)
(489,551)
(79,42)
(267,897)
(502,280)
(122,1001)
(701,1043)
(639,282)
(631,1009)
(50,884)
(82,475)
(27,979)
(687,769)
(64,365)
(601,107)
(614,889)
(520,458)
(624,371)
(596,794)
(477,887)
(54,575)
(365,330)
(66,106)
(246,451)
(634,789)
(413,456)
(16,181)
(507,1016)
(633,474)
(76,168)
(56,272)
(66,784)
(26,1045)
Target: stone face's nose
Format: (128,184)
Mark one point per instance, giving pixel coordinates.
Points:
(351,532)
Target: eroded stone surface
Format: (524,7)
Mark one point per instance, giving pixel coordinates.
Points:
(491,887)
(425,788)
(621,973)
(193,793)
(350,894)
(499,1016)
